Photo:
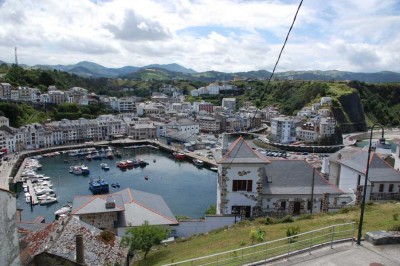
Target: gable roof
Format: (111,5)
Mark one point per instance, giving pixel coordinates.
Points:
(241,152)
(379,170)
(295,177)
(134,207)
(142,206)
(96,204)
(58,238)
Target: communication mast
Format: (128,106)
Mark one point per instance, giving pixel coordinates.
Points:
(16,56)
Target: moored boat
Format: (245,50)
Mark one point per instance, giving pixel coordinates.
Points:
(98,186)
(214,168)
(66,209)
(179,155)
(122,165)
(88,157)
(198,162)
(48,200)
(85,170)
(104,166)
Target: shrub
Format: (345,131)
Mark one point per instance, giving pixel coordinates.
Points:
(395,216)
(242,243)
(257,234)
(270,220)
(344,210)
(286,219)
(305,217)
(292,232)
(394,228)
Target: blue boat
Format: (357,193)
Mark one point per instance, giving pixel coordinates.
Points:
(98,186)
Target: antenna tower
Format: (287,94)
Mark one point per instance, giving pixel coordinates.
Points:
(16,56)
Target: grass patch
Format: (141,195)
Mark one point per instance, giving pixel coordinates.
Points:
(377,217)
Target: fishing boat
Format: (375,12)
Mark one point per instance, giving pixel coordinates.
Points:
(122,165)
(76,170)
(129,163)
(179,155)
(98,186)
(48,194)
(198,162)
(85,170)
(104,166)
(88,157)
(117,154)
(110,155)
(142,163)
(96,156)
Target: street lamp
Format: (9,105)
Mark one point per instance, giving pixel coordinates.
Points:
(381,141)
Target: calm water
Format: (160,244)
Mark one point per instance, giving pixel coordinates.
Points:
(364,143)
(186,189)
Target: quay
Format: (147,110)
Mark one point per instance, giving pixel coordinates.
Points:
(10,171)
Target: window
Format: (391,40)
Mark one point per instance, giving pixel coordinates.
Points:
(381,187)
(242,185)
(391,187)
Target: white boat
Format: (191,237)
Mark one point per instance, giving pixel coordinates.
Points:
(43,190)
(84,170)
(198,162)
(46,195)
(48,200)
(28,199)
(214,169)
(27,194)
(76,170)
(105,166)
(66,209)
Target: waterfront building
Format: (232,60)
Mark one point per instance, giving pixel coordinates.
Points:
(183,125)
(33,136)
(209,124)
(9,248)
(142,131)
(250,185)
(283,129)
(122,210)
(327,127)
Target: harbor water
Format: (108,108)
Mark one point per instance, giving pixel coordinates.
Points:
(187,189)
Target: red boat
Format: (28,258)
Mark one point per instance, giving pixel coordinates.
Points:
(179,155)
(122,164)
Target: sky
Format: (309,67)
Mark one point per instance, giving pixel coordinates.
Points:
(220,35)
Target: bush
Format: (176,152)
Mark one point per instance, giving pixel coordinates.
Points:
(286,219)
(395,216)
(305,217)
(344,210)
(211,210)
(257,234)
(292,232)
(242,243)
(270,220)
(394,228)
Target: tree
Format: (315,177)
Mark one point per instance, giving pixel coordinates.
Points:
(144,237)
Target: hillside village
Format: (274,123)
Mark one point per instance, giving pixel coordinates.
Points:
(250,183)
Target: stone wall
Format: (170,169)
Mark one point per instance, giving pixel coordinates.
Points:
(9,248)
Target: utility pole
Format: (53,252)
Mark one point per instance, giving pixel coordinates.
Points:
(312,190)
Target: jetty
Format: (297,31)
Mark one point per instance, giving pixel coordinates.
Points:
(31,190)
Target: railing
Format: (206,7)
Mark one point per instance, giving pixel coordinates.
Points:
(280,248)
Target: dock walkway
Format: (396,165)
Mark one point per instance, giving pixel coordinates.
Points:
(31,190)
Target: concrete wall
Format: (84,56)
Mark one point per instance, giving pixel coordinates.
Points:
(348,181)
(9,247)
(193,227)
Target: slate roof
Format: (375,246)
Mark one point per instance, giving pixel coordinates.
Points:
(58,238)
(134,207)
(142,206)
(96,204)
(379,170)
(294,177)
(241,152)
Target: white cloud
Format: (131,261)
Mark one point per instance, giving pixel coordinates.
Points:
(224,35)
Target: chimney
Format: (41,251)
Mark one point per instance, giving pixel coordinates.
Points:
(80,257)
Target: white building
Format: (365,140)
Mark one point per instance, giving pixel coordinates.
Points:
(326,100)
(229,103)
(14,95)
(44,98)
(4,121)
(327,127)
(283,129)
(5,90)
(250,185)
(347,169)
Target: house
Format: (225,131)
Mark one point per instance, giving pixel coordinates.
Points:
(69,241)
(250,184)
(347,170)
(9,249)
(283,129)
(123,209)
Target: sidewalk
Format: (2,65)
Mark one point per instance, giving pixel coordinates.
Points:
(346,254)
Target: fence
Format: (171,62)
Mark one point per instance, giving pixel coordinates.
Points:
(280,248)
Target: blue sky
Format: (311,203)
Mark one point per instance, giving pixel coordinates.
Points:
(223,35)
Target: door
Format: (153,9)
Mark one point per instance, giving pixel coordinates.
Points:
(296,208)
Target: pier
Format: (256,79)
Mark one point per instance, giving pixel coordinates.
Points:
(31,190)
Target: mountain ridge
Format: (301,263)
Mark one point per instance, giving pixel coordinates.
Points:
(176,71)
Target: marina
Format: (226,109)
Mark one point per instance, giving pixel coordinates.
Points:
(175,180)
